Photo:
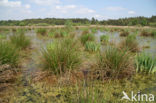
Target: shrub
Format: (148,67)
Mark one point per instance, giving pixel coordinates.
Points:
(104,39)
(61,56)
(115,63)
(87,37)
(92,46)
(124,33)
(41,31)
(145,63)
(20,40)
(130,43)
(8,54)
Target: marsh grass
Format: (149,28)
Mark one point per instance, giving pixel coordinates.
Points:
(94,30)
(61,56)
(8,54)
(85,31)
(115,63)
(124,33)
(153,34)
(145,63)
(148,33)
(104,39)
(92,46)
(60,33)
(2,36)
(87,37)
(41,31)
(130,43)
(20,40)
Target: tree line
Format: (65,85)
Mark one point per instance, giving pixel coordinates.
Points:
(139,21)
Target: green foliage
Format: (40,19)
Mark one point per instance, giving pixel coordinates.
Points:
(8,54)
(143,21)
(130,43)
(20,40)
(92,46)
(104,39)
(87,37)
(145,63)
(115,63)
(61,56)
(41,31)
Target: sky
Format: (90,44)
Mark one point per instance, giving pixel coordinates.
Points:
(99,9)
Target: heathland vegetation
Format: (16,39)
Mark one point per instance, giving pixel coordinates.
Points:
(76,64)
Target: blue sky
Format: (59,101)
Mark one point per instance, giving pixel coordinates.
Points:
(99,9)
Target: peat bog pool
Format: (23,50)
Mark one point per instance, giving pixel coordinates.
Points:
(27,90)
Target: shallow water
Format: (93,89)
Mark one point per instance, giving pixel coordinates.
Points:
(143,41)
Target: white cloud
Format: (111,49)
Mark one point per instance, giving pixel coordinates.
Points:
(27,6)
(65,7)
(84,10)
(70,6)
(8,3)
(73,9)
(14,10)
(115,8)
(46,2)
(131,12)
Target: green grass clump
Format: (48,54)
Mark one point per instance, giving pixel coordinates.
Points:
(148,33)
(87,37)
(51,34)
(153,34)
(145,33)
(124,33)
(115,63)
(20,40)
(8,54)
(85,31)
(104,39)
(93,30)
(41,31)
(59,33)
(92,46)
(2,36)
(60,56)
(130,43)
(145,63)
